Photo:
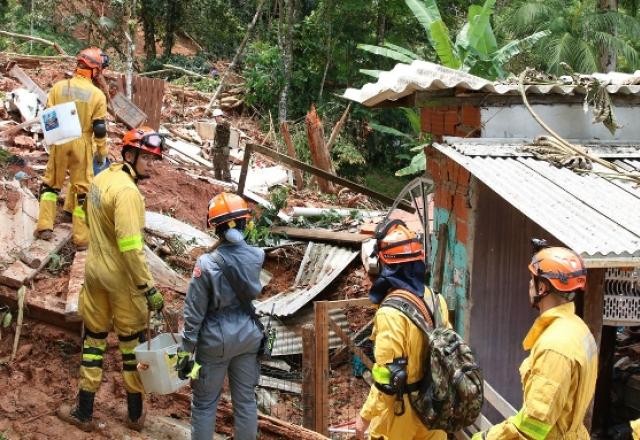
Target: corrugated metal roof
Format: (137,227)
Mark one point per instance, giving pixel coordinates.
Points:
(289,331)
(321,264)
(596,217)
(419,76)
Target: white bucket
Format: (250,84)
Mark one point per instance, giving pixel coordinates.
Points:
(161,377)
(60,123)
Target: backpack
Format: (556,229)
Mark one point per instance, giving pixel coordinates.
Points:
(450,395)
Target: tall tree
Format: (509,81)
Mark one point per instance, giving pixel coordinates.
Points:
(174,12)
(580,31)
(148,11)
(286,46)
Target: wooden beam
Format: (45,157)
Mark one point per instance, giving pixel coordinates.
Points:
(349,343)
(76,280)
(357,302)
(244,169)
(321,235)
(296,164)
(498,402)
(321,324)
(440,257)
(291,151)
(308,376)
(26,81)
(592,314)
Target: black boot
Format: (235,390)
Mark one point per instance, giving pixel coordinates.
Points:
(136,413)
(81,415)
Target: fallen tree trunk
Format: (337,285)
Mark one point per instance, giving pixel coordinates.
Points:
(38,39)
(319,153)
(291,151)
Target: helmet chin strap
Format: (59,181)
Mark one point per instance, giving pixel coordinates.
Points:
(538,296)
(133,164)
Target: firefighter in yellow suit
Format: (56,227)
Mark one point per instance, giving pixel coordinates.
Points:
(635,429)
(76,156)
(118,286)
(396,336)
(559,376)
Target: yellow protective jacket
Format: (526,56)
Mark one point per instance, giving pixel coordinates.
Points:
(558,378)
(91,104)
(115,214)
(394,336)
(635,428)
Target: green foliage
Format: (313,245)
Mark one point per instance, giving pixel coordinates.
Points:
(381,180)
(260,234)
(475,49)
(264,77)
(58,263)
(575,33)
(347,159)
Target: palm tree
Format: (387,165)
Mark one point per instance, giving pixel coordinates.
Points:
(578,33)
(475,49)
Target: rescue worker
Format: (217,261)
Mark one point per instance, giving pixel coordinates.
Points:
(220,324)
(118,286)
(559,375)
(396,337)
(626,431)
(76,156)
(221,150)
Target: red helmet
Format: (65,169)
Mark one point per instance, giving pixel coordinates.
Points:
(94,58)
(145,139)
(561,266)
(225,207)
(398,244)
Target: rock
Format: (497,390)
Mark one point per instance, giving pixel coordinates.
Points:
(24,141)
(24,351)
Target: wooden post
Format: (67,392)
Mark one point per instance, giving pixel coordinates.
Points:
(322,367)
(602,398)
(308,376)
(291,151)
(438,261)
(592,314)
(248,149)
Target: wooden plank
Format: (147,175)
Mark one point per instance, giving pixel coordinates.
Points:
(126,111)
(321,325)
(498,402)
(357,302)
(308,376)
(291,151)
(287,386)
(321,235)
(18,273)
(244,170)
(349,343)
(296,164)
(28,83)
(76,281)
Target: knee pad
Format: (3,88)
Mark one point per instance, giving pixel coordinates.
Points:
(99,128)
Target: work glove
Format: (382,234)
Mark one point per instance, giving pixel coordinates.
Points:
(187,367)
(480,435)
(620,432)
(155,301)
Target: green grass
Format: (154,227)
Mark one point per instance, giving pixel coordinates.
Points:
(384,181)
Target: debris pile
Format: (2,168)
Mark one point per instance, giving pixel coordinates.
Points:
(311,247)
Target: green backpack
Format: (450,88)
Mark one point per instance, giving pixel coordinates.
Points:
(450,394)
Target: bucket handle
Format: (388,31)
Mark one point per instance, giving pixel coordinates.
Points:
(164,316)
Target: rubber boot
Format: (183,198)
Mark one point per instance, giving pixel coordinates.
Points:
(135,412)
(82,414)
(47,214)
(80,230)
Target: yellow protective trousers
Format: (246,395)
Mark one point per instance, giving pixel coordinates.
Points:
(100,308)
(75,157)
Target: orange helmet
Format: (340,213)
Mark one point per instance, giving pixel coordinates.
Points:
(225,207)
(145,139)
(94,58)
(397,244)
(561,266)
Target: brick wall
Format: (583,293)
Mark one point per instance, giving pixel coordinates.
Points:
(460,120)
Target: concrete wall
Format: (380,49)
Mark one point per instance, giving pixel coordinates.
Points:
(569,121)
(452,206)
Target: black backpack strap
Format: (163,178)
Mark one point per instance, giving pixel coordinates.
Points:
(222,264)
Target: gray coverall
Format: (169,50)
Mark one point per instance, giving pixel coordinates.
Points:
(225,337)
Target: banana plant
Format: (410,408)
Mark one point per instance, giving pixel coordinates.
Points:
(475,49)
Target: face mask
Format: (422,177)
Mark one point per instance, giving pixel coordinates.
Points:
(232,235)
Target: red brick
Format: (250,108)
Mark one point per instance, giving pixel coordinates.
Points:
(460,207)
(425,119)
(451,117)
(470,115)
(462,231)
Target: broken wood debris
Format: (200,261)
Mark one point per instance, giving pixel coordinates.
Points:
(321,235)
(18,273)
(76,281)
(296,164)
